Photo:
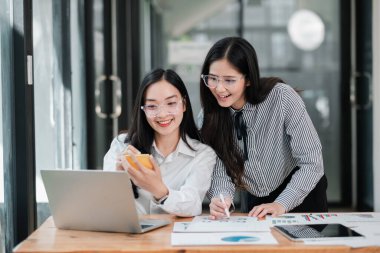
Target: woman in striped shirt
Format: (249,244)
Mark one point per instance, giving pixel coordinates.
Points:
(263,136)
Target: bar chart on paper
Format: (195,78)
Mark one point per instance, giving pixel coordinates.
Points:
(306,218)
(232,224)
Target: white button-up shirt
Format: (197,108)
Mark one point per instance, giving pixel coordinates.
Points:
(186,173)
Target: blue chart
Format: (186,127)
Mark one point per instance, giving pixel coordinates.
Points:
(240,238)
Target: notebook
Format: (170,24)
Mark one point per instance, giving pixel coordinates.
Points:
(94,200)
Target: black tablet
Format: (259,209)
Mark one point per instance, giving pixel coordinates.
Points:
(317,232)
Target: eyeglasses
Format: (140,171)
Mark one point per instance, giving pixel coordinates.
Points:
(170,107)
(212,81)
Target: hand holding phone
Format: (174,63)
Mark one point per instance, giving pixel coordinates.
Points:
(144,160)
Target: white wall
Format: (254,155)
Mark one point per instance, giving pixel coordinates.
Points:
(376,102)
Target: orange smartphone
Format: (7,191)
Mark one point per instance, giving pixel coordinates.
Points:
(142,158)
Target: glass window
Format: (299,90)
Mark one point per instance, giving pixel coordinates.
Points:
(188,31)
(59,90)
(1,158)
(316,70)
(4,32)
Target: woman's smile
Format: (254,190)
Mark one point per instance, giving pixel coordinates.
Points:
(164,123)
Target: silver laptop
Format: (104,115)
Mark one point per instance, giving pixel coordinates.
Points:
(94,200)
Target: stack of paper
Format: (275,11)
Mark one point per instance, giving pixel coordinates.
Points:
(249,230)
(234,230)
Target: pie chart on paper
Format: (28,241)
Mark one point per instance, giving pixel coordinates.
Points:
(239,238)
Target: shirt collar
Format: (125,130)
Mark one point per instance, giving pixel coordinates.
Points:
(184,148)
(247,107)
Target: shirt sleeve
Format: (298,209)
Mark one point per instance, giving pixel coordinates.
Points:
(221,182)
(117,148)
(306,149)
(187,201)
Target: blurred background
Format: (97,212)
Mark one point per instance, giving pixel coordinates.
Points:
(70,71)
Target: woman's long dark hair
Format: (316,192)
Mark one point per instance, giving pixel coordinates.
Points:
(217,128)
(140,133)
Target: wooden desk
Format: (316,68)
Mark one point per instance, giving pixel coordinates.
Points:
(48,238)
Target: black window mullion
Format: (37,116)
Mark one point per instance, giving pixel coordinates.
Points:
(133,62)
(345,111)
(18,132)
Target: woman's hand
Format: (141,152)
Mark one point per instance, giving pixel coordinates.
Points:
(260,211)
(132,149)
(121,158)
(217,208)
(147,179)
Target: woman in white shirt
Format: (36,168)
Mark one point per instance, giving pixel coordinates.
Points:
(163,126)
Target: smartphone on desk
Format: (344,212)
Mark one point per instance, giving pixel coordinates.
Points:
(317,232)
(144,160)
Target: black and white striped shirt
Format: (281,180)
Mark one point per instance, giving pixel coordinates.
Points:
(280,136)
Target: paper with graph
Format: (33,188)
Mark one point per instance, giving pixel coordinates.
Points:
(317,218)
(226,238)
(232,224)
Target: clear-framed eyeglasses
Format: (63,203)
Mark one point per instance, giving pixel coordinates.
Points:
(170,107)
(212,81)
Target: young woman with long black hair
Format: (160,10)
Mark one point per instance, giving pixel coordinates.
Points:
(263,136)
(163,126)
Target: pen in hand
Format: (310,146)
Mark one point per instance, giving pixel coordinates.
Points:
(224,202)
